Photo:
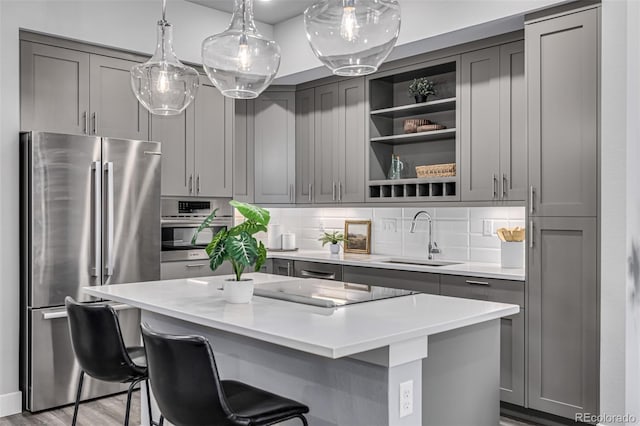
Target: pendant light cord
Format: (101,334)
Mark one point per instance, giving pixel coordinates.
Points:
(164,11)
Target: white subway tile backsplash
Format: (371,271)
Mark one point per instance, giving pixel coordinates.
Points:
(457,230)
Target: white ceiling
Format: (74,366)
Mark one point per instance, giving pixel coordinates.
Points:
(267,11)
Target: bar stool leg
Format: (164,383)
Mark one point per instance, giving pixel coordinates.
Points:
(131,386)
(304,420)
(77,404)
(146,383)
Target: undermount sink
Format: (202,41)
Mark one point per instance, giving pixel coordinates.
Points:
(422,262)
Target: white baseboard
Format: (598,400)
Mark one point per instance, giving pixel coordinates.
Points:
(10,403)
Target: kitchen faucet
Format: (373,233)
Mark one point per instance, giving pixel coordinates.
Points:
(432,246)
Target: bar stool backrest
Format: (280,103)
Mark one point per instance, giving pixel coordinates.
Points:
(184,379)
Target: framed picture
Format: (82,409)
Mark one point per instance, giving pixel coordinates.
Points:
(358,236)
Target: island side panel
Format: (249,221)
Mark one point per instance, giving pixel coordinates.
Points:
(461,377)
(339,392)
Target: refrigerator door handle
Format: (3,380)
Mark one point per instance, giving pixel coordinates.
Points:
(109,222)
(96,168)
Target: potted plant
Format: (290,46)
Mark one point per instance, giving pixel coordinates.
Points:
(238,246)
(421,88)
(334,238)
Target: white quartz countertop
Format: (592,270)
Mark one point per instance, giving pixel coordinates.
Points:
(328,332)
(474,269)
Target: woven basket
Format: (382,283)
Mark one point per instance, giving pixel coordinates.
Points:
(411,125)
(436,170)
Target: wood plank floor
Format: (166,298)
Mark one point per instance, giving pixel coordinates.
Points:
(110,412)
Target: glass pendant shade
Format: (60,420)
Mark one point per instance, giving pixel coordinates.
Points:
(163,84)
(241,62)
(352,37)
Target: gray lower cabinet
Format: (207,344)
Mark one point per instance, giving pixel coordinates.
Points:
(275,148)
(563,316)
(69,91)
(323,271)
(305,138)
(407,280)
(243,151)
(562,78)
(493,130)
(282,267)
(197,146)
(512,328)
(191,269)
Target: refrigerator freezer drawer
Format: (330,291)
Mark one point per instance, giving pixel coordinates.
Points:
(53,369)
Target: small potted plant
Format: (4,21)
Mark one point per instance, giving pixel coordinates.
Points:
(238,246)
(421,88)
(334,238)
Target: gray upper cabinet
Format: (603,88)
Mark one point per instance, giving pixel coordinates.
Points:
(493,132)
(54,89)
(351,141)
(197,146)
(305,137)
(275,148)
(563,316)
(115,111)
(68,91)
(176,135)
(513,123)
(213,148)
(327,134)
(243,151)
(562,76)
(480,130)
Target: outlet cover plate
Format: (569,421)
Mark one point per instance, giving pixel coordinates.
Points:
(406,398)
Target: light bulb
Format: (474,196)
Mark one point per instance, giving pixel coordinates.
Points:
(162,85)
(349,25)
(244,56)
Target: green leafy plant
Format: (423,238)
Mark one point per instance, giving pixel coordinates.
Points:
(237,244)
(334,237)
(422,87)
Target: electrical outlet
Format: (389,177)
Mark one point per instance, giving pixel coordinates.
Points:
(487,228)
(406,398)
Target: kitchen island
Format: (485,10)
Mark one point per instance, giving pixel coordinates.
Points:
(348,362)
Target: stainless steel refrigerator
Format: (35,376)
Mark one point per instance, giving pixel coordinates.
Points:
(90,212)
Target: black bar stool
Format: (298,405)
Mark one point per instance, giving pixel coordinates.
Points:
(99,348)
(186,385)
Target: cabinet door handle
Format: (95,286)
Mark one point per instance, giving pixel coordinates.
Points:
(288,269)
(495,186)
(473,282)
(94,118)
(333,189)
(196,265)
(531,234)
(531,196)
(190,184)
(85,122)
(339,191)
(310,190)
(198,183)
(504,185)
(316,274)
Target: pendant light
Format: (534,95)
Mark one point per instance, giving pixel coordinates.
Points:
(352,37)
(163,84)
(241,62)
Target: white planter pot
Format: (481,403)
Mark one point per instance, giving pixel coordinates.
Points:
(512,254)
(238,291)
(335,248)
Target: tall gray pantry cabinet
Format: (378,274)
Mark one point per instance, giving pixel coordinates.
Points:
(68,91)
(562,74)
(197,146)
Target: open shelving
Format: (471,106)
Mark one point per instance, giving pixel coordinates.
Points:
(389,107)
